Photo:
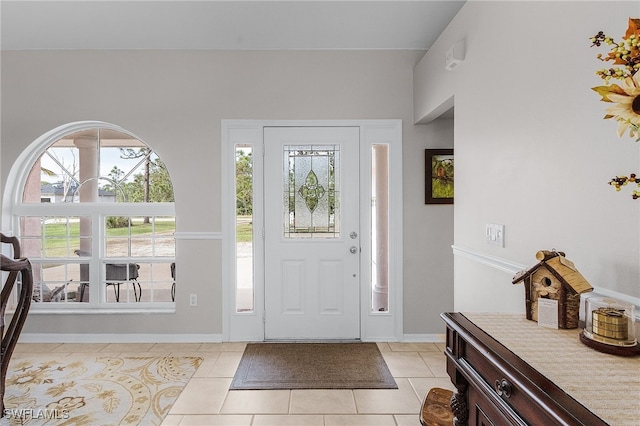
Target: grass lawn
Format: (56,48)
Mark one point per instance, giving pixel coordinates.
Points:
(57,238)
(138,228)
(244,230)
(58,235)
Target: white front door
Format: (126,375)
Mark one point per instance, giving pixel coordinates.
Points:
(312,250)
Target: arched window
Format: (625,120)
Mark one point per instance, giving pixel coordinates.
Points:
(94,211)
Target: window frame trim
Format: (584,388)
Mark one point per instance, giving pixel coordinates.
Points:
(13,209)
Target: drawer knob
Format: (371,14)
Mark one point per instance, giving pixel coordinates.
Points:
(503,388)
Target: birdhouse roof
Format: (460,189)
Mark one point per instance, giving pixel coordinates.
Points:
(561,268)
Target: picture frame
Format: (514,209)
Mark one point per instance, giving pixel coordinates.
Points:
(439,176)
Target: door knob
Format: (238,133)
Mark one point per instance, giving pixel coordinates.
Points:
(353,249)
(503,388)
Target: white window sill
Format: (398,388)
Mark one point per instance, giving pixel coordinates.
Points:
(99,311)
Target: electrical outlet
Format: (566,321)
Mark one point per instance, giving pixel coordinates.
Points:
(193,299)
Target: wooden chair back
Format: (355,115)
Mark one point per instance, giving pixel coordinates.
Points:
(16,266)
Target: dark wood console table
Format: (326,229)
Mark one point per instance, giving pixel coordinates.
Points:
(510,371)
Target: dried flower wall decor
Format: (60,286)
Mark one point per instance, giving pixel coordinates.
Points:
(625,58)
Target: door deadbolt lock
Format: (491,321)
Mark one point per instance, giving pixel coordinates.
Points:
(353,249)
(353,235)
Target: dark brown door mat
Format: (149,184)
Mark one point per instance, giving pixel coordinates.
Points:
(313,366)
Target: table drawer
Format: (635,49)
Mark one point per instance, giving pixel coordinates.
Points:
(505,384)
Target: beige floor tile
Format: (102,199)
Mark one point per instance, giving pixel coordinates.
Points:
(210,347)
(256,402)
(226,365)
(179,354)
(202,396)
(388,401)
(414,347)
(406,364)
(127,347)
(441,346)
(171,420)
(436,363)
(407,419)
(80,347)
(383,346)
(288,420)
(223,347)
(322,401)
(422,385)
(361,420)
(209,360)
(170,348)
(35,347)
(217,420)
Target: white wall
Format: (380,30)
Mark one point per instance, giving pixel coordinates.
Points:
(532,150)
(175,100)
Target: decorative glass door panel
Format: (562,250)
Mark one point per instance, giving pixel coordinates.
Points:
(311,191)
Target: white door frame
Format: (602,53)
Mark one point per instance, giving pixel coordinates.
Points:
(374,326)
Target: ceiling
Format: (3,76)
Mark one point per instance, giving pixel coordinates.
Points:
(225,25)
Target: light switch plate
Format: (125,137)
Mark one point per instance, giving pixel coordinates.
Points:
(494,234)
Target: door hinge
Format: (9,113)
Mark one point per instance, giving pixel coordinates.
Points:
(264,316)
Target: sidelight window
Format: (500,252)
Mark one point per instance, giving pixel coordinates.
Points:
(380,227)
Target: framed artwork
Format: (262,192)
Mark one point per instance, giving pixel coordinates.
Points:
(438,180)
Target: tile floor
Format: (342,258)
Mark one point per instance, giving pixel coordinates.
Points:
(206,400)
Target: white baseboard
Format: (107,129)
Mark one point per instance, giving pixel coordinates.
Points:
(118,338)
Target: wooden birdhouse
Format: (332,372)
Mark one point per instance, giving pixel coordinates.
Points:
(556,278)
